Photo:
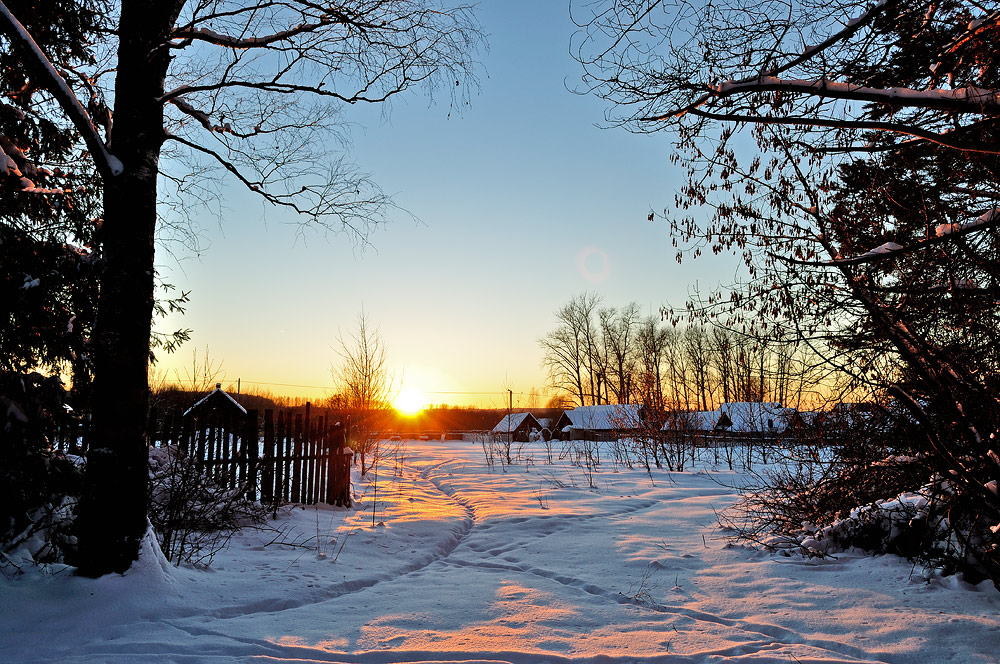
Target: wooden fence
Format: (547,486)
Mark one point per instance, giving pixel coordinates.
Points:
(276,458)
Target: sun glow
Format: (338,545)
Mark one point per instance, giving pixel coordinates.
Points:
(409,402)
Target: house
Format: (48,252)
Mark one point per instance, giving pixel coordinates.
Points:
(519,425)
(600,422)
(753,417)
(738,417)
(216,402)
(698,420)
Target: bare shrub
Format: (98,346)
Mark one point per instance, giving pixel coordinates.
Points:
(893,504)
(193,513)
(489,453)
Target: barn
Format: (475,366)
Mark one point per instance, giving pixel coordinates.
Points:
(519,425)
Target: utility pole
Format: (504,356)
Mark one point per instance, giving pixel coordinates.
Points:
(510,436)
(510,407)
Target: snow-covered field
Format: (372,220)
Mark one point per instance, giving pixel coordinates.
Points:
(530,564)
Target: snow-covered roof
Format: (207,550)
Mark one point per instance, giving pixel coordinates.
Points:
(216,394)
(605,417)
(747,416)
(740,416)
(513,421)
(699,420)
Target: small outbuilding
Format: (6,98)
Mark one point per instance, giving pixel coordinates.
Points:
(519,425)
(216,402)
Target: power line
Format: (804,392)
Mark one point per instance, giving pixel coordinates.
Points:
(331,387)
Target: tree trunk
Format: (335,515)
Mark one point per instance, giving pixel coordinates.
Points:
(112,516)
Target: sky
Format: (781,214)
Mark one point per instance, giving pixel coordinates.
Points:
(508,209)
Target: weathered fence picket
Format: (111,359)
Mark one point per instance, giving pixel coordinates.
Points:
(272,457)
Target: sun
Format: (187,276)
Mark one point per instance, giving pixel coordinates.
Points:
(409,402)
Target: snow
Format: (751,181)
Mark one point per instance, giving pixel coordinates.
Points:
(983,220)
(217,393)
(885,248)
(938,97)
(605,416)
(510,422)
(745,416)
(468,563)
(63,94)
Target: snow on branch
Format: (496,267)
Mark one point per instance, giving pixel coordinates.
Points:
(108,165)
(219,39)
(851,27)
(970,99)
(946,139)
(943,233)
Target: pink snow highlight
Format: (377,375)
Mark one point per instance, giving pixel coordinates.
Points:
(527,563)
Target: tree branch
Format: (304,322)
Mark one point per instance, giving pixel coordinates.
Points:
(107,164)
(970,99)
(944,233)
(893,127)
(219,39)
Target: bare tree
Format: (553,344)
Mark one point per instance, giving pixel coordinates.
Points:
(697,352)
(254,89)
(619,330)
(652,340)
(365,387)
(568,351)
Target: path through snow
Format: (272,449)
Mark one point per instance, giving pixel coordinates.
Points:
(528,564)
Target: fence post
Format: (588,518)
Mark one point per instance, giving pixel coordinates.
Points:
(338,469)
(268,467)
(224,445)
(322,453)
(307,447)
(250,455)
(297,459)
(283,463)
(199,434)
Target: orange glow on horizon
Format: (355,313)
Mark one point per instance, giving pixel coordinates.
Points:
(409,402)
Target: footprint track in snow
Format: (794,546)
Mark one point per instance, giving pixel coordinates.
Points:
(760,637)
(322,593)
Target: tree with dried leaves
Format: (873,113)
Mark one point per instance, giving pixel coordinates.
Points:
(866,217)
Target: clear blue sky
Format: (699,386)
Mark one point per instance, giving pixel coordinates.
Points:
(522,203)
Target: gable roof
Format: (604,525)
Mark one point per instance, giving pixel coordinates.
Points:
(514,420)
(698,420)
(739,416)
(749,416)
(217,398)
(606,417)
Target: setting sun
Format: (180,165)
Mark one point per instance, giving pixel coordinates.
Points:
(409,402)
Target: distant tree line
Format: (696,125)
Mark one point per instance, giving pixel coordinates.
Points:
(612,355)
